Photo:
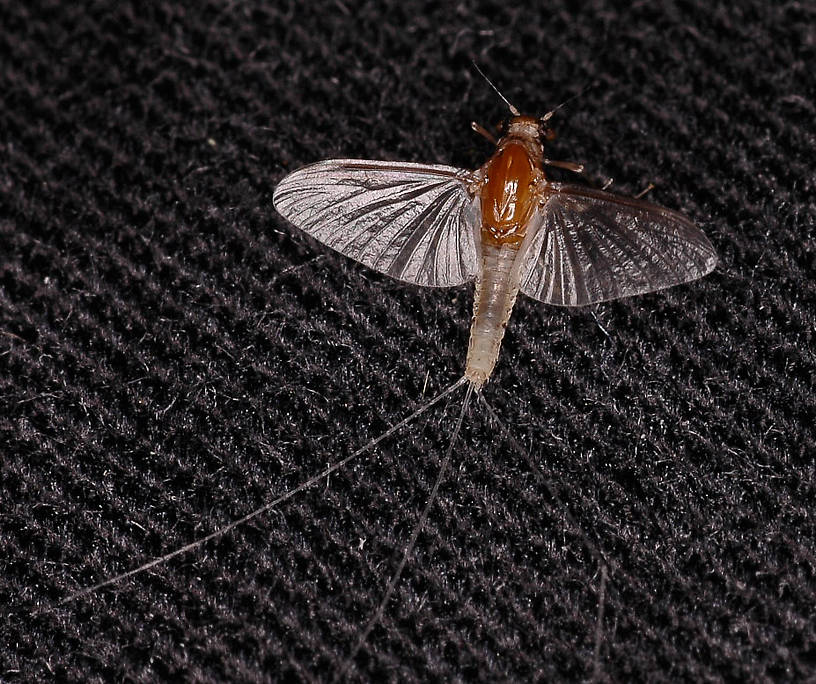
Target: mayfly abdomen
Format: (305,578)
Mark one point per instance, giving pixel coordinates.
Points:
(496,290)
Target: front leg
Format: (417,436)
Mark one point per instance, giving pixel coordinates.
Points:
(481,130)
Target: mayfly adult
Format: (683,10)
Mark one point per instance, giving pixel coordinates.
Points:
(506,227)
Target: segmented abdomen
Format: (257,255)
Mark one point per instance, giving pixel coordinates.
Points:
(496,290)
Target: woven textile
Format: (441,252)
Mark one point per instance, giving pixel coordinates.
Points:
(173,354)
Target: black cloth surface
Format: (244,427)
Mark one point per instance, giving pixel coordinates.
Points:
(173,354)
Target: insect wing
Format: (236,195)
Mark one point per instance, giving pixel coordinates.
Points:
(413,222)
(593,246)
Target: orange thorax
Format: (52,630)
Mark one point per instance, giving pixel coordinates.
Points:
(508,196)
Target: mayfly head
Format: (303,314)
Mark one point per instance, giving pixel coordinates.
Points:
(529,128)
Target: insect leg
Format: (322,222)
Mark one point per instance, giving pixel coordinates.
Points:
(481,130)
(569,166)
(577,168)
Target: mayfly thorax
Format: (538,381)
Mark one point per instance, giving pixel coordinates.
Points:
(508,228)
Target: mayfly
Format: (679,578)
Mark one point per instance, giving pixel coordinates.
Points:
(505,226)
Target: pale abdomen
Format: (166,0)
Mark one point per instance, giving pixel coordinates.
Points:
(496,290)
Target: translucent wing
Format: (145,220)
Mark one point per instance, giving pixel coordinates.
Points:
(414,222)
(592,246)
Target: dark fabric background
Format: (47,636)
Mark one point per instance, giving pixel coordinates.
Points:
(173,354)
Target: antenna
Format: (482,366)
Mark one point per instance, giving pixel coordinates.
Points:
(549,114)
(513,110)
